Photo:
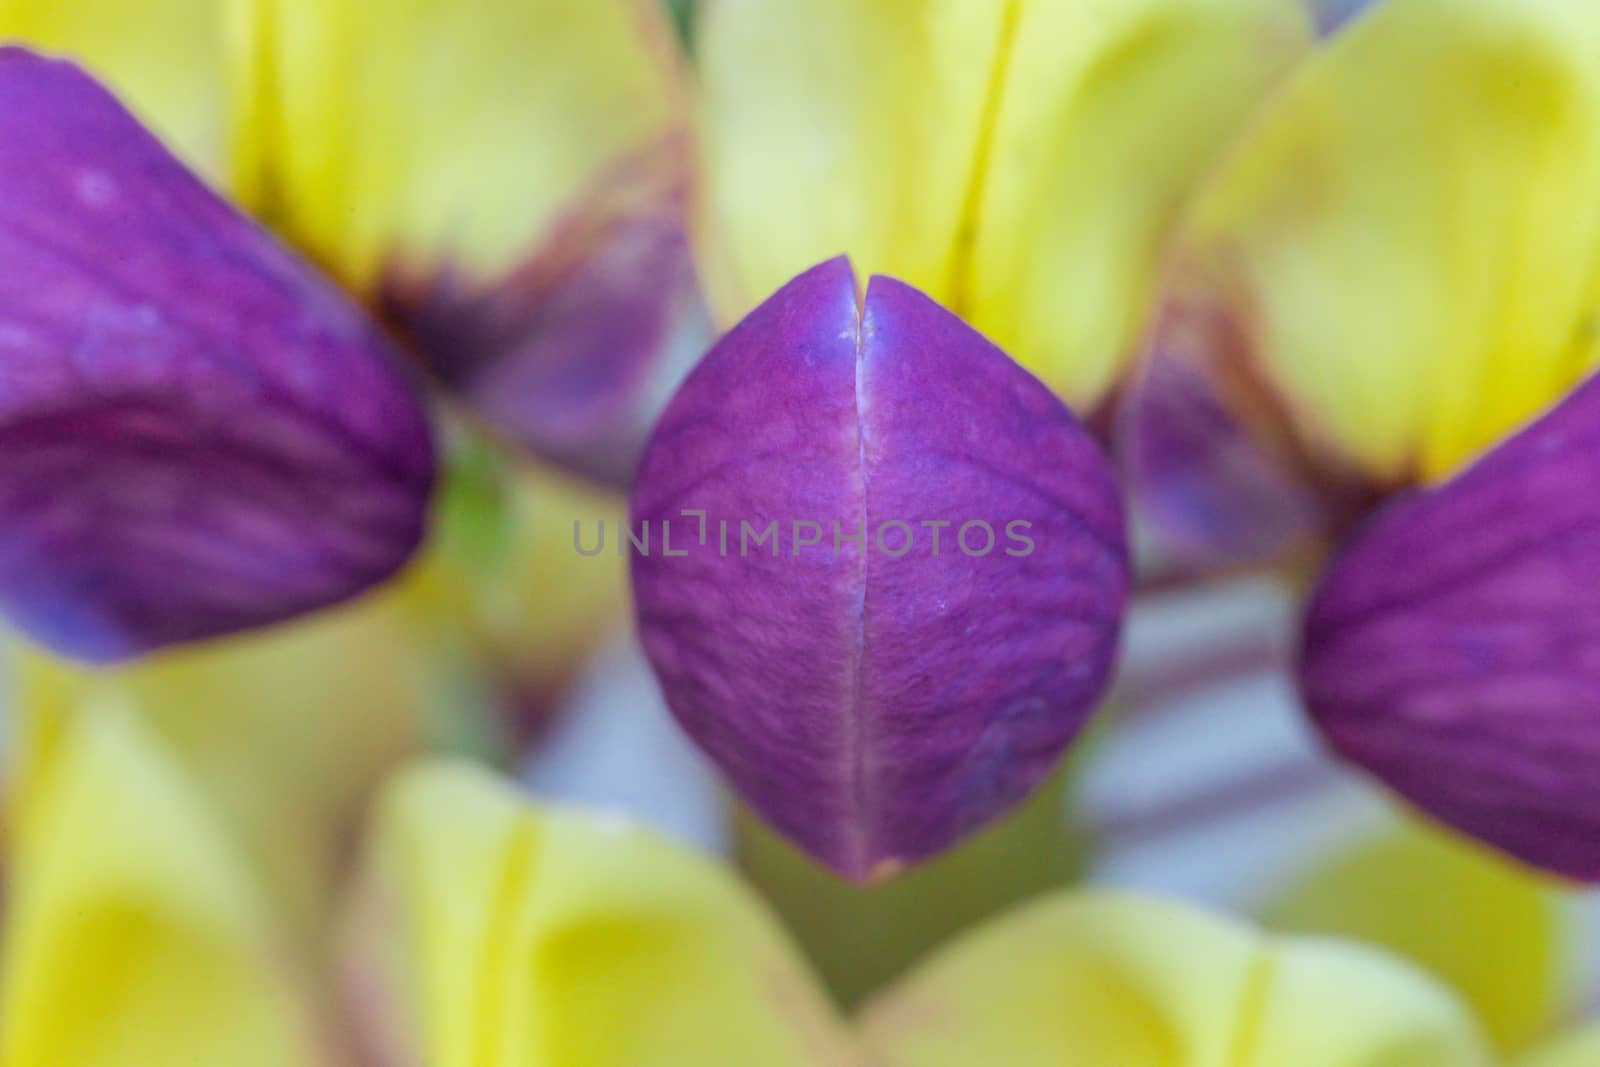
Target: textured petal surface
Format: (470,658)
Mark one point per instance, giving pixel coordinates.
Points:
(495,933)
(1408,239)
(168,59)
(134,931)
(1450,649)
(509,180)
(1108,980)
(876,697)
(1015,160)
(200,435)
(1492,932)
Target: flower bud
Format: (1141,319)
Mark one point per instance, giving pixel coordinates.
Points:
(883,570)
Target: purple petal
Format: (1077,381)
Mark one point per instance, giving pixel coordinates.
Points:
(1212,468)
(1453,649)
(574,353)
(1333,14)
(876,702)
(200,436)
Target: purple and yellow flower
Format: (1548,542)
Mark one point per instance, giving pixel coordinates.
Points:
(1012,167)
(1321,272)
(1019,162)
(208,435)
(1383,315)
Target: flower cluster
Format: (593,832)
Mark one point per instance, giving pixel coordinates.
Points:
(924,336)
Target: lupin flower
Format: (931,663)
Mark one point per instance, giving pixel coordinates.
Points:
(1389,291)
(206,436)
(1021,162)
(888,574)
(493,932)
(982,154)
(506,183)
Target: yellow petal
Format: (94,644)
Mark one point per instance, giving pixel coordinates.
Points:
(135,934)
(1088,172)
(166,59)
(537,938)
(1116,981)
(1410,237)
(382,134)
(1494,933)
(285,732)
(1575,1050)
(1019,161)
(842,127)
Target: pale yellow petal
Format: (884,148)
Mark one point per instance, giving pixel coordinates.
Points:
(1495,933)
(1575,1050)
(1097,980)
(1410,238)
(285,732)
(166,59)
(539,938)
(1110,114)
(836,126)
(1022,162)
(134,931)
(451,134)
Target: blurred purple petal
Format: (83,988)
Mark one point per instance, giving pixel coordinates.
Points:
(1214,473)
(200,436)
(876,700)
(574,354)
(1333,14)
(1453,648)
